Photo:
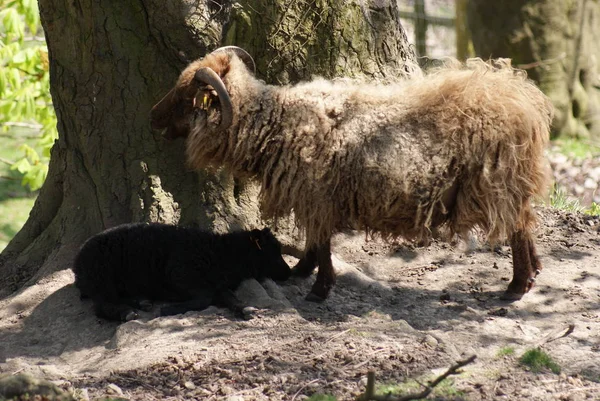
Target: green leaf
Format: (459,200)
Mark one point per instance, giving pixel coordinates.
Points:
(30,153)
(14,78)
(6,108)
(22,166)
(25,86)
(3,82)
(19,58)
(13,25)
(37,176)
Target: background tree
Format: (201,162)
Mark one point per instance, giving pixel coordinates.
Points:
(110,61)
(558,42)
(25,103)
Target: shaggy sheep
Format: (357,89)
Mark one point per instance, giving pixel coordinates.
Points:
(457,148)
(129,266)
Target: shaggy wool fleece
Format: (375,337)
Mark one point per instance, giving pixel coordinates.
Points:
(459,147)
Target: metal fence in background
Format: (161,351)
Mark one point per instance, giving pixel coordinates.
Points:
(437,28)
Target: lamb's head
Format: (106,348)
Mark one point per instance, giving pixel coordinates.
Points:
(199,89)
(266,257)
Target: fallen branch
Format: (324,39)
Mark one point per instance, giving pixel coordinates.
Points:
(6,161)
(542,63)
(303,387)
(561,332)
(369,394)
(22,125)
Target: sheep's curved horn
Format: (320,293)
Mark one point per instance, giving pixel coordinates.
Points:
(209,77)
(161,112)
(242,54)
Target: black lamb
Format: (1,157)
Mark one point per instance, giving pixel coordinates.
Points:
(128,267)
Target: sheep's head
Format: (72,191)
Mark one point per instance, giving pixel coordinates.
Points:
(199,88)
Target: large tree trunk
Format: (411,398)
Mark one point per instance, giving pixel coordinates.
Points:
(110,61)
(558,42)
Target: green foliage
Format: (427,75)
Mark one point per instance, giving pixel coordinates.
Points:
(593,210)
(16,201)
(537,360)
(445,389)
(559,199)
(506,351)
(577,148)
(25,86)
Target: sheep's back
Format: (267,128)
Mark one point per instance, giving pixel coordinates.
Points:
(396,150)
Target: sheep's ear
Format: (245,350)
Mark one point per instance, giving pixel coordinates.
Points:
(242,54)
(160,115)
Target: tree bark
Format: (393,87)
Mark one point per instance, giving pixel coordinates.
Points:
(558,43)
(110,61)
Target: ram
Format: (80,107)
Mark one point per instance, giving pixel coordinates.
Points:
(451,150)
(130,266)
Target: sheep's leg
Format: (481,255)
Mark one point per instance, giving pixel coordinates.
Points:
(326,275)
(307,264)
(526,266)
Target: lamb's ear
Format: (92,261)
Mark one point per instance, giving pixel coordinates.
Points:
(255,237)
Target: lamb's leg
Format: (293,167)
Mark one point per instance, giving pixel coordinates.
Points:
(115,311)
(326,275)
(199,301)
(307,264)
(139,303)
(526,266)
(233,303)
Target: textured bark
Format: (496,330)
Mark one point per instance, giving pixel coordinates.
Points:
(110,61)
(558,42)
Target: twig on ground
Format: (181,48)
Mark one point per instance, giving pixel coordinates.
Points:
(369,394)
(333,337)
(556,334)
(303,387)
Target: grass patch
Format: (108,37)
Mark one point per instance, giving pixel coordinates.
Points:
(559,199)
(445,389)
(577,148)
(506,351)
(593,210)
(13,214)
(16,201)
(537,360)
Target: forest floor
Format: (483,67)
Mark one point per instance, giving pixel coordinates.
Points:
(406,312)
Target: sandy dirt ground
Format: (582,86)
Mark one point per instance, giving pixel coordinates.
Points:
(403,311)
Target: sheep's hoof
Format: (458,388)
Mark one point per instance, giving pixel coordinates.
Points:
(146,305)
(511,296)
(249,312)
(312,297)
(131,315)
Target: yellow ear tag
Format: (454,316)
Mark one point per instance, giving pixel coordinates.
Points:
(205,102)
